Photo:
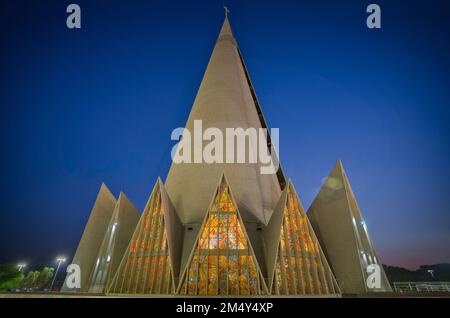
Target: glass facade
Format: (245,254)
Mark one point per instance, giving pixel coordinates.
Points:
(146,267)
(300,268)
(223,262)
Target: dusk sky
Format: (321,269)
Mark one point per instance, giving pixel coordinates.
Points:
(98,104)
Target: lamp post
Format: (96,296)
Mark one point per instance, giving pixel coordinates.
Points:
(59,260)
(21,266)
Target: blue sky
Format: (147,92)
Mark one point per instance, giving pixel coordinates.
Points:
(98,104)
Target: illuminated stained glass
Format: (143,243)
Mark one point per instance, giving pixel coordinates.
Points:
(299,268)
(146,267)
(223,262)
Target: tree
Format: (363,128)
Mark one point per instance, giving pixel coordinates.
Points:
(31,279)
(44,277)
(10,276)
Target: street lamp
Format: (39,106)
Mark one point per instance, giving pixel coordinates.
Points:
(21,266)
(59,260)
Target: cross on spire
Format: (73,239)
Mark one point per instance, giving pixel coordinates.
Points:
(226,11)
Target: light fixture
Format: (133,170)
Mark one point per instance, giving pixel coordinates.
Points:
(60,260)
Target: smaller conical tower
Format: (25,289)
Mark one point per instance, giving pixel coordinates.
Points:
(151,262)
(92,237)
(295,262)
(222,261)
(120,229)
(343,235)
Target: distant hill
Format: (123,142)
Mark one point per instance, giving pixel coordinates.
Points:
(441,273)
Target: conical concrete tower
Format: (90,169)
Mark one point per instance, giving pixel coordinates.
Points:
(120,229)
(343,235)
(225,99)
(93,236)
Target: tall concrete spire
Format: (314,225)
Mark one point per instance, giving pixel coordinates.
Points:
(226,29)
(225,99)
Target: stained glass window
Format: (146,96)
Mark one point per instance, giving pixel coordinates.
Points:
(299,268)
(223,262)
(146,267)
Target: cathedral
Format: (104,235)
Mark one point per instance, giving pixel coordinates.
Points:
(215,229)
